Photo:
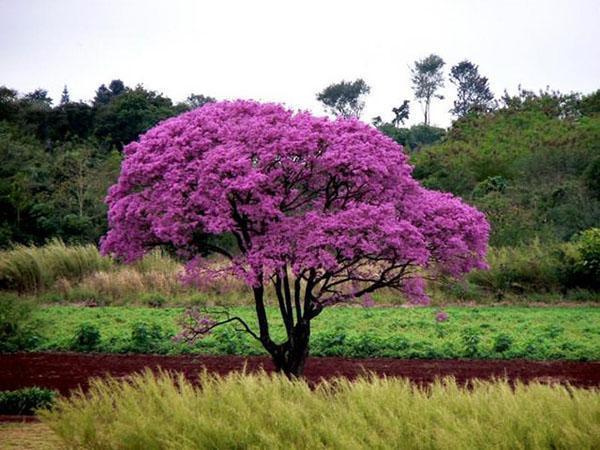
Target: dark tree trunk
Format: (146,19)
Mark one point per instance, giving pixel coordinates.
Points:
(290,357)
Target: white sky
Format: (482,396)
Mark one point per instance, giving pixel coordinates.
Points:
(287,51)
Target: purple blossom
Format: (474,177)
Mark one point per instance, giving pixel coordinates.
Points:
(441,316)
(310,195)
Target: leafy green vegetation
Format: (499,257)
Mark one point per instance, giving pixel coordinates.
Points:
(260,411)
(530,166)
(483,332)
(18,330)
(25,401)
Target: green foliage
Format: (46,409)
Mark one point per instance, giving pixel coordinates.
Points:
(86,338)
(415,137)
(146,337)
(17,327)
(129,114)
(26,401)
(473,91)
(590,104)
(261,411)
(536,267)
(344,99)
(529,166)
(427,79)
(533,333)
(591,177)
(502,342)
(586,266)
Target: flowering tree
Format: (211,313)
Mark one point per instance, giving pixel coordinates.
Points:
(322,211)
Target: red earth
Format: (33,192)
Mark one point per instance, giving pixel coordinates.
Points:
(66,371)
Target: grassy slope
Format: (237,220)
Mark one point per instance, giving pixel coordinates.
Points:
(483,332)
(541,162)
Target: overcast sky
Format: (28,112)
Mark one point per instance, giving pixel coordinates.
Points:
(286,51)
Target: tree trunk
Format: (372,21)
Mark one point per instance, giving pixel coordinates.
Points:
(291,356)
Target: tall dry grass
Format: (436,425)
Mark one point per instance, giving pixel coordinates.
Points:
(79,273)
(261,411)
(31,269)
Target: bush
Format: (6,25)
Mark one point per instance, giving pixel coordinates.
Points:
(581,262)
(260,411)
(25,401)
(87,337)
(502,343)
(530,268)
(588,244)
(146,338)
(17,328)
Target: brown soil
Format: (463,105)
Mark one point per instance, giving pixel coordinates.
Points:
(66,371)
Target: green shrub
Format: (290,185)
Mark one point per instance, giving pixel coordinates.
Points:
(580,261)
(260,411)
(588,244)
(146,338)
(25,401)
(502,343)
(87,337)
(530,268)
(17,328)
(470,339)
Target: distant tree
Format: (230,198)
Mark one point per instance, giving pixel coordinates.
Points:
(427,79)
(343,99)
(473,90)
(197,100)
(117,87)
(552,104)
(39,98)
(590,104)
(129,114)
(64,98)
(77,119)
(9,104)
(36,112)
(401,113)
(105,94)
(415,137)
(377,121)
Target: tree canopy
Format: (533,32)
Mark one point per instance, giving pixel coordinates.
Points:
(324,211)
(344,99)
(428,79)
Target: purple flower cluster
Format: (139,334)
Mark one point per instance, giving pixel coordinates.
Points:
(331,197)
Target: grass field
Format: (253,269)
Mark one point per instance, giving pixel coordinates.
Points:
(27,436)
(260,411)
(481,332)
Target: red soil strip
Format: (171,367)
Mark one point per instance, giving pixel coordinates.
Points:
(66,371)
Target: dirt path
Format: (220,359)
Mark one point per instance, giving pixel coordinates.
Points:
(65,371)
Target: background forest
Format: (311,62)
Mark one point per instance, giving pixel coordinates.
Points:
(530,161)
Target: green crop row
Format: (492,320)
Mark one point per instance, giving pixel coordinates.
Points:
(482,332)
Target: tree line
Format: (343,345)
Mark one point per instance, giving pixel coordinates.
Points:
(58,160)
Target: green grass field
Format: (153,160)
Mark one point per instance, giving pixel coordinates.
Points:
(481,332)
